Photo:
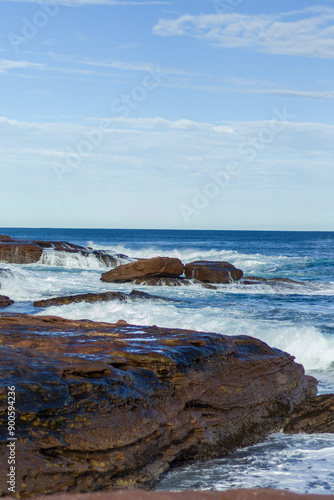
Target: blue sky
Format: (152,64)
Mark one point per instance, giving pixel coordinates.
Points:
(196,114)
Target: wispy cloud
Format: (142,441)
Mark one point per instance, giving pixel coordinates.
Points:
(308,32)
(6,65)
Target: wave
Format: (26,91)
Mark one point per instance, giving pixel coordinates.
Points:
(311,347)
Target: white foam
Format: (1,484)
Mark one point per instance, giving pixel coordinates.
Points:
(71,260)
(308,344)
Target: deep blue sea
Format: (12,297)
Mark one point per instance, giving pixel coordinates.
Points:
(297,318)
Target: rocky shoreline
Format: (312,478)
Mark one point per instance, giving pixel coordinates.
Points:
(103,406)
(112,406)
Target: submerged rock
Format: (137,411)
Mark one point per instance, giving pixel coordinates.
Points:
(212,271)
(157,267)
(97,297)
(101,406)
(251,280)
(313,416)
(5,301)
(16,251)
(161,281)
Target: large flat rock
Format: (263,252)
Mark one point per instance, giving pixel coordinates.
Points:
(157,267)
(101,406)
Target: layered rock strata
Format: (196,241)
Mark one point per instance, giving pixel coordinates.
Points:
(157,267)
(102,406)
(313,416)
(98,297)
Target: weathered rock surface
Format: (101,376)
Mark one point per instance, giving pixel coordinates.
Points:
(161,281)
(102,406)
(98,297)
(250,280)
(212,271)
(16,251)
(313,416)
(236,494)
(159,267)
(5,301)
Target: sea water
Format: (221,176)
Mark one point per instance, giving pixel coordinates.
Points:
(295,317)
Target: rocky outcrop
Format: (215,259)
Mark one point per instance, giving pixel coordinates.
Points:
(161,281)
(212,271)
(251,280)
(98,297)
(235,494)
(102,406)
(5,301)
(16,251)
(313,416)
(157,267)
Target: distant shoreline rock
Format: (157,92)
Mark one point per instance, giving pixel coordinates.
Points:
(18,251)
(157,267)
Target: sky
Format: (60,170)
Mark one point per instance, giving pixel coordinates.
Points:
(188,114)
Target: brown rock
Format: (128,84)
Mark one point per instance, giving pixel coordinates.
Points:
(97,297)
(235,494)
(102,406)
(160,267)
(212,271)
(16,251)
(313,416)
(250,280)
(5,301)
(160,281)
(19,252)
(5,238)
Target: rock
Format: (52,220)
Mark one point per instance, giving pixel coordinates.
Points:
(160,267)
(5,301)
(212,271)
(19,252)
(313,416)
(160,281)
(97,297)
(102,406)
(6,273)
(15,251)
(251,280)
(235,494)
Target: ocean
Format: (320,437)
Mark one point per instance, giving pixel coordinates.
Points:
(297,318)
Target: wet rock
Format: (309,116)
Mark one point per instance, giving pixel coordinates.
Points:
(16,251)
(101,406)
(313,416)
(5,301)
(235,494)
(161,281)
(159,267)
(251,280)
(212,271)
(97,297)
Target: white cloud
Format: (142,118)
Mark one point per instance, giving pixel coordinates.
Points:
(6,65)
(307,33)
